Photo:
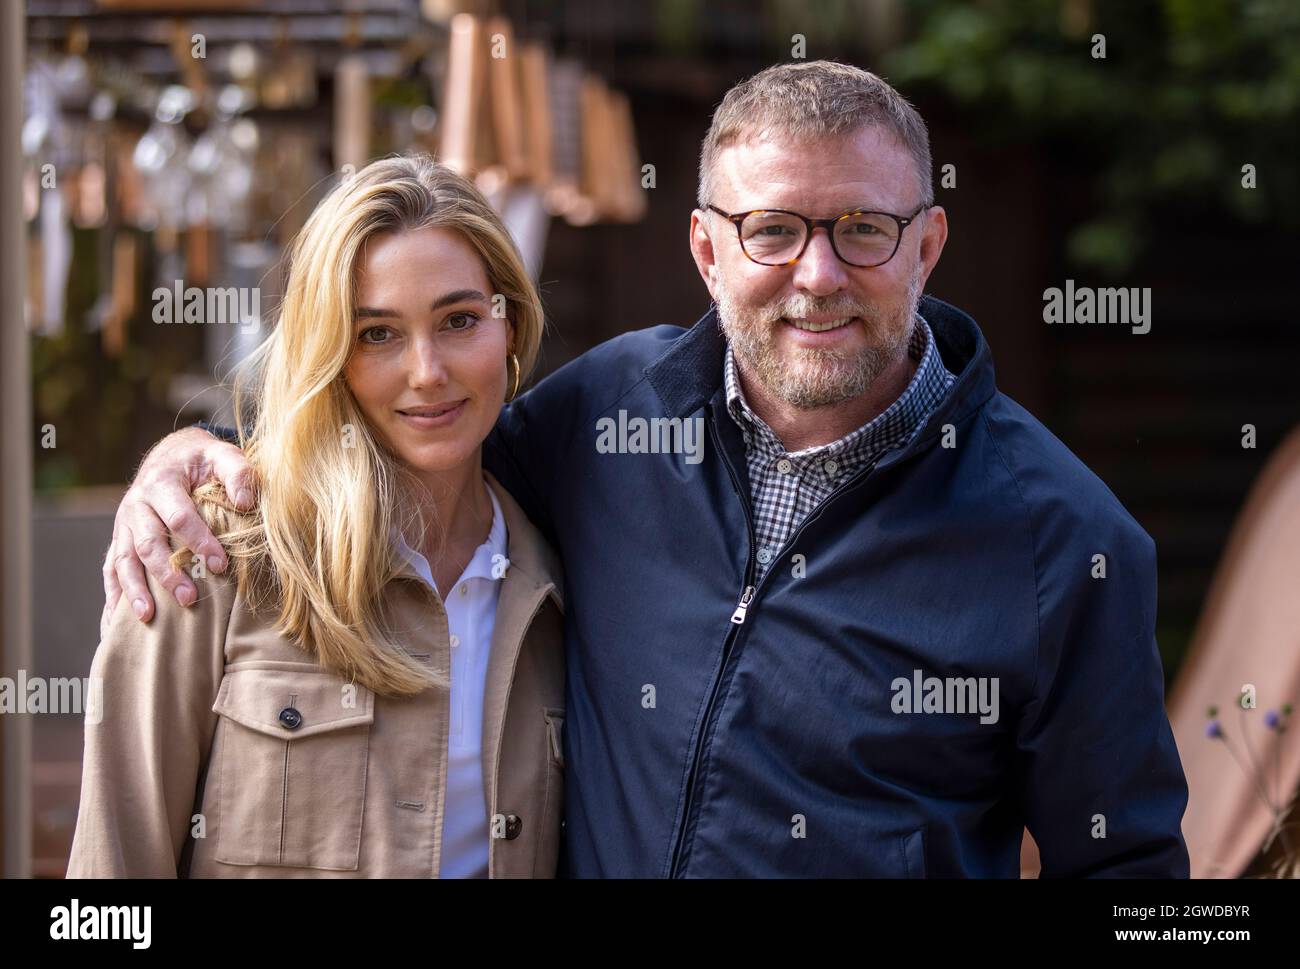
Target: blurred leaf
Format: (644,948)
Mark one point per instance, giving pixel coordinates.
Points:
(1108,245)
(1190,91)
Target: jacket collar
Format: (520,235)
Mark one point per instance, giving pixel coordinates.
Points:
(526,549)
(532,577)
(689,372)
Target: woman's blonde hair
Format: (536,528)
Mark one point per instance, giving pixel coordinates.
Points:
(330,494)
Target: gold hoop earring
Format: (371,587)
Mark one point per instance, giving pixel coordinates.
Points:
(514,390)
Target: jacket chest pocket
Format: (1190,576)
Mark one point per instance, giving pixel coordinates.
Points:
(294,748)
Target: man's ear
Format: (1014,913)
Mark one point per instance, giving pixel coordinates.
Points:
(934,233)
(702,250)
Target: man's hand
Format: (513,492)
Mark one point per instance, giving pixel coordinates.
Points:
(159,501)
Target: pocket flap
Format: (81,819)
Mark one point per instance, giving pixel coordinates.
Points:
(289,701)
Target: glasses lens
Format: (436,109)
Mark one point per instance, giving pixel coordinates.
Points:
(866,239)
(771,238)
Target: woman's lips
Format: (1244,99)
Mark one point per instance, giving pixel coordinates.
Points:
(426,420)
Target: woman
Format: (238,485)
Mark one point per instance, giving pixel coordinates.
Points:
(377,689)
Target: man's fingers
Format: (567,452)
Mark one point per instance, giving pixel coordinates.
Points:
(157,507)
(150,545)
(154,551)
(174,506)
(112,588)
(130,576)
(235,474)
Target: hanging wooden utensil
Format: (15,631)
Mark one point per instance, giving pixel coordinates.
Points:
(627,170)
(35,283)
(191,67)
(565,197)
(507,113)
(461,104)
(351,112)
(597,180)
(122,294)
(537,113)
(198,254)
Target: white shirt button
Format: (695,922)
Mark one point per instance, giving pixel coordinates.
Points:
(764,556)
(784,466)
(464,588)
(455,640)
(830,467)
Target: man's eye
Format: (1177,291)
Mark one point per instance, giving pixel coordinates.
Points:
(375,334)
(465,321)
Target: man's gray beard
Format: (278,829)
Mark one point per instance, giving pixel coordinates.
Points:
(823,376)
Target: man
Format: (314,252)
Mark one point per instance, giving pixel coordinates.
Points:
(875,619)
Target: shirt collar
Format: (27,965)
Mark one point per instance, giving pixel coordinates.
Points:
(901,417)
(480,565)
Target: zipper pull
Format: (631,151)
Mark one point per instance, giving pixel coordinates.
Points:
(745,598)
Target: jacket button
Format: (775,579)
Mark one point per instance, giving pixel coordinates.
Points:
(290,718)
(514,824)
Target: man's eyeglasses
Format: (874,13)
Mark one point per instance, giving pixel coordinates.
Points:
(776,237)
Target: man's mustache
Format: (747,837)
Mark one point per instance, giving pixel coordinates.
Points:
(802,309)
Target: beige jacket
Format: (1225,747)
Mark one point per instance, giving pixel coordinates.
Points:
(199,766)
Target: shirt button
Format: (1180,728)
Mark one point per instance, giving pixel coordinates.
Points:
(455,640)
(830,467)
(764,556)
(784,466)
(464,588)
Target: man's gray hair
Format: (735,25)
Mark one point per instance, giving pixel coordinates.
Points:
(811,101)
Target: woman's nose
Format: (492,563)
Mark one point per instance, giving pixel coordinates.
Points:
(425,365)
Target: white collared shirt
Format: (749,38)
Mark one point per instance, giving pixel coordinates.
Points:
(471,616)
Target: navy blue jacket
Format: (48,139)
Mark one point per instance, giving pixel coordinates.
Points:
(698,745)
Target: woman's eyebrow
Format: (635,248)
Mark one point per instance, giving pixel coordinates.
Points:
(458,296)
(447,299)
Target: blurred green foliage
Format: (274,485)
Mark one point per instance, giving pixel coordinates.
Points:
(1188,93)
(104,410)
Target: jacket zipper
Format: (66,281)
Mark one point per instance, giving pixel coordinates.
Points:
(737,619)
(747,597)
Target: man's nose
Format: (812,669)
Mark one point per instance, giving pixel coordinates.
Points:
(819,271)
(425,365)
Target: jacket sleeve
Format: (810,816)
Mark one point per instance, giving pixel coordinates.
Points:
(1103,790)
(542,441)
(149,734)
(518,460)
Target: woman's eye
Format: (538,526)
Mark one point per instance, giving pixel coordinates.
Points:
(375,334)
(461,321)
